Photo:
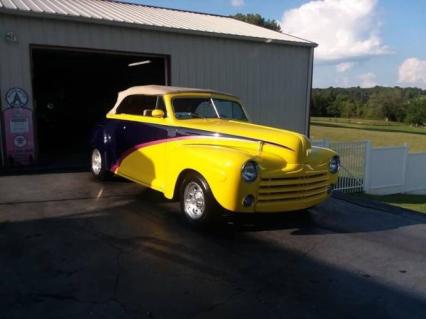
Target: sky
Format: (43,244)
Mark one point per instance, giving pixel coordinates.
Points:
(361,42)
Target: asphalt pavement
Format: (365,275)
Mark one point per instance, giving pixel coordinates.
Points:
(74,248)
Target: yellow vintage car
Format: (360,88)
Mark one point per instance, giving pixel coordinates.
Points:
(198,146)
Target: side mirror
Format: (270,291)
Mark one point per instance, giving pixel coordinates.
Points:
(157,113)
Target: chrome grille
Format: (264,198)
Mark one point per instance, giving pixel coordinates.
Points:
(291,188)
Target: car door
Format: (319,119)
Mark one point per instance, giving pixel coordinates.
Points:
(140,141)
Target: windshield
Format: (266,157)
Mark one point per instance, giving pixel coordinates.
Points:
(204,107)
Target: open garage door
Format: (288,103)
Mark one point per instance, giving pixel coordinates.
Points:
(73,89)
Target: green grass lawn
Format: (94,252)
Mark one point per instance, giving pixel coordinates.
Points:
(413,202)
(380,133)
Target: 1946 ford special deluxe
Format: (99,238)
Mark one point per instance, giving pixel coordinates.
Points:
(199,147)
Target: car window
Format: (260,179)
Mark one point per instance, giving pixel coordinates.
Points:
(137,104)
(229,110)
(205,109)
(187,108)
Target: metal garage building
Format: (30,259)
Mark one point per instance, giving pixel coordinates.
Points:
(62,63)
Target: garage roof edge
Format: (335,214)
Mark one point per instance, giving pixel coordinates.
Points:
(276,38)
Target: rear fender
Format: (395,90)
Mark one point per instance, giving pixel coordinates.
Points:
(102,138)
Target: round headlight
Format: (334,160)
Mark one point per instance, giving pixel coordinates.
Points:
(334,164)
(249,172)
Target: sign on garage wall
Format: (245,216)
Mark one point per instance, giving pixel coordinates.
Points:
(18,127)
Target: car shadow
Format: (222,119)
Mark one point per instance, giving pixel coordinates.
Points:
(336,215)
(125,259)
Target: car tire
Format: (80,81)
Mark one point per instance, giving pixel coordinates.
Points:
(97,166)
(197,202)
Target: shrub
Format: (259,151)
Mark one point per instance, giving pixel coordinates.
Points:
(416,111)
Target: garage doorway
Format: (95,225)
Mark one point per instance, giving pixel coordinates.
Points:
(73,89)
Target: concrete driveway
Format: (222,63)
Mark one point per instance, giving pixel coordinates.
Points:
(73,248)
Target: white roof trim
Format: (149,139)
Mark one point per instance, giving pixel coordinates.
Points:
(137,15)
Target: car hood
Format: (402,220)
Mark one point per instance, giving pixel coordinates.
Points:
(274,140)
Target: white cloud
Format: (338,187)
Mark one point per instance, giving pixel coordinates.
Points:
(345,30)
(413,72)
(368,80)
(237,3)
(344,66)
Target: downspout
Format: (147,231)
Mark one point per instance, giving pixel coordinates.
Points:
(309,91)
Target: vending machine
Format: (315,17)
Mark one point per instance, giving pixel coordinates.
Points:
(18,128)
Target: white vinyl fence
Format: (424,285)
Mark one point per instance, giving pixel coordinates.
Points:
(352,158)
(384,170)
(415,174)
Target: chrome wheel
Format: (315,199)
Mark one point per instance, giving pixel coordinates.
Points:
(194,202)
(96,162)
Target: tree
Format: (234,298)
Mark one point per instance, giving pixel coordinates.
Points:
(388,103)
(416,111)
(378,103)
(257,19)
(319,104)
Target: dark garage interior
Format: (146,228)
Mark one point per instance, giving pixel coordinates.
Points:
(73,90)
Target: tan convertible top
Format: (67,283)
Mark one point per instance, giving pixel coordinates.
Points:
(159,90)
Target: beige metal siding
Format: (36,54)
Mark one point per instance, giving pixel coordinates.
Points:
(271,79)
